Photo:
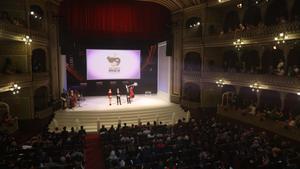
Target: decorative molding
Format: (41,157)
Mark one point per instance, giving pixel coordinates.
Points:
(269,82)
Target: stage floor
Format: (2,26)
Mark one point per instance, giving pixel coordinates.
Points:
(101,103)
(94,111)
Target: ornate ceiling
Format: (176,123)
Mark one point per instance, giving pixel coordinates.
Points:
(174,5)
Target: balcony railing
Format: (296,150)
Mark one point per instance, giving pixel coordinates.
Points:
(22,77)
(258,32)
(6,28)
(40,76)
(272,82)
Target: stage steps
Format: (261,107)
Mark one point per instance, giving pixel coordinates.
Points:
(91,119)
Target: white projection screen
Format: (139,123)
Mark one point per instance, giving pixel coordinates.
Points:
(104,64)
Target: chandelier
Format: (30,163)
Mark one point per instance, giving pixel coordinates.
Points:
(15,88)
(255,87)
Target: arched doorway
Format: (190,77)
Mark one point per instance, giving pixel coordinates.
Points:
(39,61)
(191,92)
(41,97)
(296,11)
(252,16)
(246,97)
(270,100)
(36,17)
(250,61)
(267,64)
(231,21)
(230,61)
(293,61)
(192,62)
(276,13)
(228,93)
(291,105)
(193,22)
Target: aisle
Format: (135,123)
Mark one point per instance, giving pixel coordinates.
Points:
(92,152)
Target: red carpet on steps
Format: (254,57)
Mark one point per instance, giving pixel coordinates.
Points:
(92,152)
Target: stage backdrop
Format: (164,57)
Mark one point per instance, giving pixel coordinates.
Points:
(143,65)
(113,64)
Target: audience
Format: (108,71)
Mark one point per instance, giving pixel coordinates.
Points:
(47,150)
(207,144)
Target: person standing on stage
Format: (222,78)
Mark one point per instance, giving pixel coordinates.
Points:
(109,95)
(128,99)
(118,97)
(131,92)
(127,95)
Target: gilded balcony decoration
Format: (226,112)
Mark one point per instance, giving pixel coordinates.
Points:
(263,33)
(272,82)
(22,77)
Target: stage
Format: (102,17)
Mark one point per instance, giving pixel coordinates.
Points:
(95,111)
(101,103)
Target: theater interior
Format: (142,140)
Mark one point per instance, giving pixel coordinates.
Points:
(204,84)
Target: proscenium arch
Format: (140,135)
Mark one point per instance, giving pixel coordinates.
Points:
(192,61)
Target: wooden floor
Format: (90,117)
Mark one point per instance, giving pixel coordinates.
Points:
(269,125)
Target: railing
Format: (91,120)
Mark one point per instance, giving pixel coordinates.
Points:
(23,77)
(192,32)
(10,28)
(283,83)
(261,31)
(39,76)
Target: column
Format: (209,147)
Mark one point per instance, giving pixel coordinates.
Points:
(177,57)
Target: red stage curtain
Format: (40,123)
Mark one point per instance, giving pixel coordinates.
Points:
(115,19)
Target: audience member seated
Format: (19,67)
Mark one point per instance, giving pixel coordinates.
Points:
(46,150)
(196,144)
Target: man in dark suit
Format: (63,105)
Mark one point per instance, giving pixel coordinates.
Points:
(118,97)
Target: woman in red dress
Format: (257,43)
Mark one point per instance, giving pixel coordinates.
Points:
(131,92)
(109,95)
(73,99)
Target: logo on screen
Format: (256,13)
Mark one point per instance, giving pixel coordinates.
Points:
(114,63)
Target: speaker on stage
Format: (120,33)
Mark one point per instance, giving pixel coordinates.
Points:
(83,90)
(169,47)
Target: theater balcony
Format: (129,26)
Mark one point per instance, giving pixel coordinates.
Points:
(259,34)
(271,82)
